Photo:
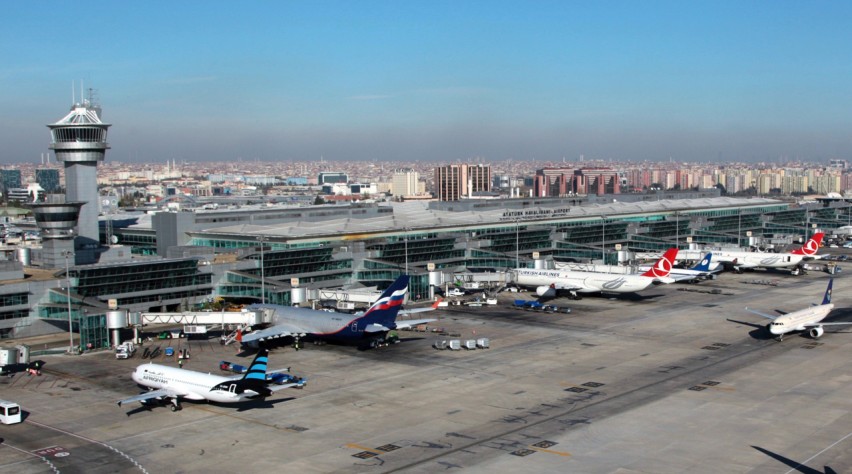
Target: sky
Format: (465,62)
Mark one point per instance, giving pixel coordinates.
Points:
(442,81)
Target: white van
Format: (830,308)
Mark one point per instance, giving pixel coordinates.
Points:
(10,413)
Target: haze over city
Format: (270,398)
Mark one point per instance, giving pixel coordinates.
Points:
(435,81)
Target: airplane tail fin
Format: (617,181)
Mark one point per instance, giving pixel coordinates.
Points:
(811,247)
(704,264)
(664,265)
(827,298)
(383,312)
(254,379)
(257,369)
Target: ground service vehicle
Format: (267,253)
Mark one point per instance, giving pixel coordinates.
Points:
(10,412)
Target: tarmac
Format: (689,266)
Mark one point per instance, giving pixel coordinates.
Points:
(677,379)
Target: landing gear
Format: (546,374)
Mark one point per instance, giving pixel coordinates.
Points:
(780,338)
(175,406)
(296,344)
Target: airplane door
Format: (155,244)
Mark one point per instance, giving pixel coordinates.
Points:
(232,388)
(354,326)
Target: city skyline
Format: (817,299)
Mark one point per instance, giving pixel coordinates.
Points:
(438,82)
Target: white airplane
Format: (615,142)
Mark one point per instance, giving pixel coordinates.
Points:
(808,319)
(701,271)
(741,260)
(370,326)
(549,282)
(172,383)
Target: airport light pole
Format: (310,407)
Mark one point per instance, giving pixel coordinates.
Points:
(677,229)
(517,244)
(406,249)
(739,227)
(603,239)
(262,239)
(67,254)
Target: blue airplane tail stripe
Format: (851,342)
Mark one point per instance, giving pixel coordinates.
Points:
(827,298)
(257,369)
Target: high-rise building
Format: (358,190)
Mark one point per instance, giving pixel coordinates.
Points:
(404,182)
(79,140)
(452,182)
(554,182)
(9,179)
(331,177)
(48,179)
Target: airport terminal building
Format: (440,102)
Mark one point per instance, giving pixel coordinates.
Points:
(183,259)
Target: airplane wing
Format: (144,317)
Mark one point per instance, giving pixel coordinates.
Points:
(760,314)
(275,388)
(410,323)
(152,394)
(434,306)
(399,325)
(279,330)
(812,325)
(563,287)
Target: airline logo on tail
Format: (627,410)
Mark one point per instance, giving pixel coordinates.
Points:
(664,265)
(392,297)
(386,308)
(704,264)
(827,298)
(811,246)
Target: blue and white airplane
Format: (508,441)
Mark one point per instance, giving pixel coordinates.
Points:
(808,319)
(173,383)
(370,326)
(702,270)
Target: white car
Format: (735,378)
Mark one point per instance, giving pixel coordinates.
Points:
(455,292)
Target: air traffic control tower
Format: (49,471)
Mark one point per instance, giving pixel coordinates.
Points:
(80,142)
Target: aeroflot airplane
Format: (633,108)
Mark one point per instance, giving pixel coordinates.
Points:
(171,383)
(372,324)
(740,260)
(549,282)
(808,319)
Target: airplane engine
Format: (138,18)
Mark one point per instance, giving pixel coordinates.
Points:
(816,332)
(546,291)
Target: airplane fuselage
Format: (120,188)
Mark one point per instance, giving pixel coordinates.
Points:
(758,259)
(322,324)
(195,385)
(583,282)
(683,274)
(799,320)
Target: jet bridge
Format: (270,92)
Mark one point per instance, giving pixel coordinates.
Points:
(120,319)
(207,318)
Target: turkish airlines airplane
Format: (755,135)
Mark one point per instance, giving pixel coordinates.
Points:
(548,283)
(741,260)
